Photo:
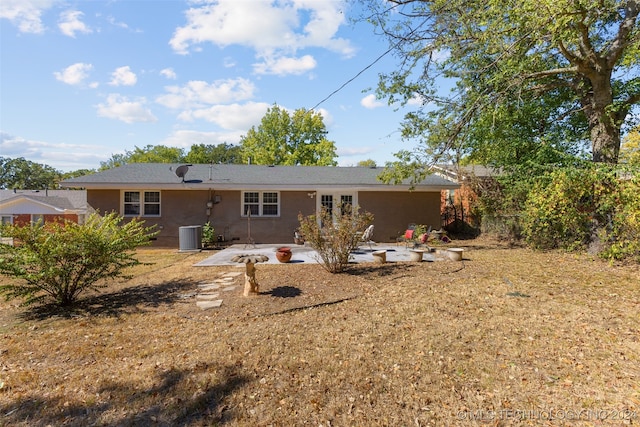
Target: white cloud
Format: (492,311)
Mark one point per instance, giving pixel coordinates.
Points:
(70,23)
(123,76)
(371,102)
(74,74)
(327,118)
(232,117)
(273,29)
(169,73)
(417,100)
(228,62)
(25,14)
(187,138)
(53,154)
(284,66)
(440,55)
(199,93)
(119,107)
(111,20)
(353,151)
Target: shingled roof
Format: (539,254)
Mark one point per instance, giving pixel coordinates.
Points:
(58,199)
(236,177)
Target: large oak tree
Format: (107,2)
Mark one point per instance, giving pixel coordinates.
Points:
(289,139)
(526,74)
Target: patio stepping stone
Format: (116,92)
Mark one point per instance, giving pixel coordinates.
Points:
(205,305)
(208,296)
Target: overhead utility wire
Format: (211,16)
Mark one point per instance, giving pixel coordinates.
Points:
(354,77)
(370,65)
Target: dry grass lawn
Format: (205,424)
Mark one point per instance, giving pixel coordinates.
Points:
(507,337)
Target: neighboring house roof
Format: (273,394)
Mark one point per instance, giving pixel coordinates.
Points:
(460,173)
(61,201)
(238,177)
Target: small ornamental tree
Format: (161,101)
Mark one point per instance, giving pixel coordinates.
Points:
(335,236)
(59,261)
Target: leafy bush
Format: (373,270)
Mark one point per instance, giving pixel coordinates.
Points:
(576,207)
(622,236)
(559,210)
(335,237)
(59,261)
(572,207)
(208,235)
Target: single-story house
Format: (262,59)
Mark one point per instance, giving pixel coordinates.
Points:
(30,206)
(256,203)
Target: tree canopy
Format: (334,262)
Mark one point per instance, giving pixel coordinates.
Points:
(527,76)
(368,163)
(221,153)
(22,173)
(284,139)
(198,153)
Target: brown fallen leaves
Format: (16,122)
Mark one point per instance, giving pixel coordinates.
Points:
(508,337)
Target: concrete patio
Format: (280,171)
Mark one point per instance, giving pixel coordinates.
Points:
(305,254)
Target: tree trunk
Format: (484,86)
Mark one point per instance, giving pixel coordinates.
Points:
(604,128)
(605,140)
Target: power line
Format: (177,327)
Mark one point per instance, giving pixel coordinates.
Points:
(354,77)
(402,40)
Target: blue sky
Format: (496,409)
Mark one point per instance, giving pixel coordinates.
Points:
(83,80)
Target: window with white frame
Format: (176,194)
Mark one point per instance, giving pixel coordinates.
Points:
(141,203)
(260,203)
(6,219)
(329,202)
(37,219)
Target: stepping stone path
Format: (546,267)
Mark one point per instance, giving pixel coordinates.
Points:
(208,295)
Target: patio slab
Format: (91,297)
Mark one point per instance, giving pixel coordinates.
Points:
(305,254)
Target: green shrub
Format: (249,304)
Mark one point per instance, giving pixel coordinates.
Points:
(334,237)
(559,210)
(208,235)
(622,235)
(59,261)
(596,206)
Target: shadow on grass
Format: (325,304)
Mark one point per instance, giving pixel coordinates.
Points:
(127,300)
(284,292)
(387,269)
(175,400)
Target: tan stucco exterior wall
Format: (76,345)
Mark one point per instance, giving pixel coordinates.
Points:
(189,207)
(394,211)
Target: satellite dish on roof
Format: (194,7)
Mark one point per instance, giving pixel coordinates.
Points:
(181,171)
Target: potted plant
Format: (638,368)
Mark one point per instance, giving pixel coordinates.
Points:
(420,234)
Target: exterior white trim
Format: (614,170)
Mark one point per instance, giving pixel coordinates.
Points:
(243,213)
(267,187)
(142,203)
